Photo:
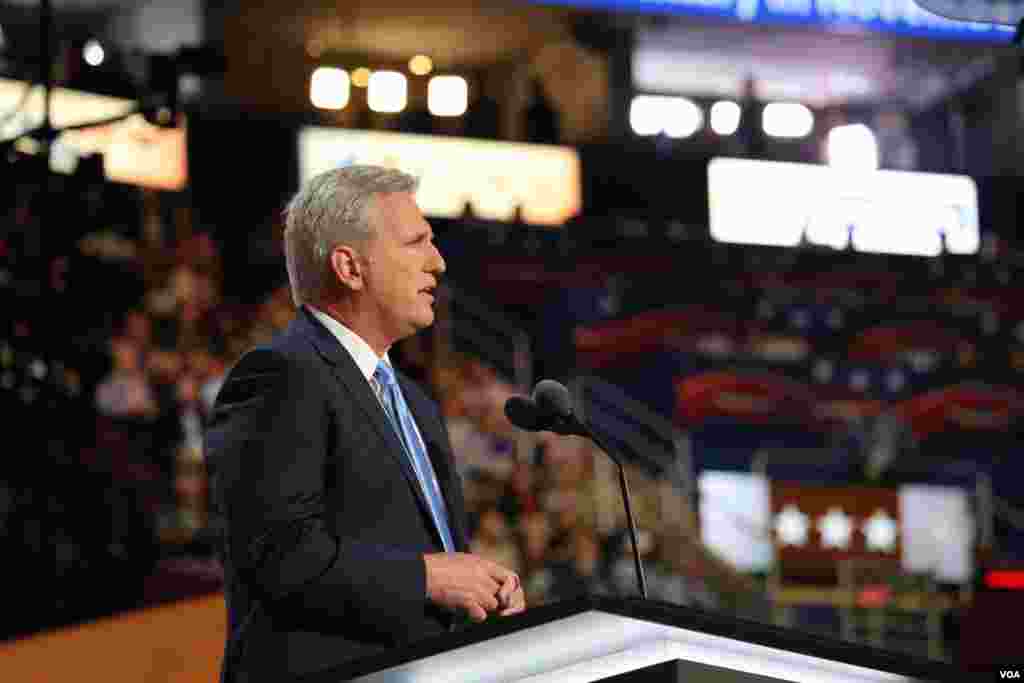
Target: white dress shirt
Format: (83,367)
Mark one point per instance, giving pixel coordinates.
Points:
(364,356)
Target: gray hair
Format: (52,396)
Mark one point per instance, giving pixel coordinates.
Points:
(331,209)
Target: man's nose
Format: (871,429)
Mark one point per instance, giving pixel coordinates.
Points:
(437,264)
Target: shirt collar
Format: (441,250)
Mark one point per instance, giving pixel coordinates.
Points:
(366,358)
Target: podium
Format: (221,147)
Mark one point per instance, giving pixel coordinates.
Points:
(631,640)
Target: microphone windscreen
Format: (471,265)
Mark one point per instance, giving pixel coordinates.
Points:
(552,398)
(523,413)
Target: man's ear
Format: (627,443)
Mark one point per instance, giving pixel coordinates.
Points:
(347,268)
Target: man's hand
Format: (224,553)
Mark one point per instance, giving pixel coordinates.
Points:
(472,583)
(511,599)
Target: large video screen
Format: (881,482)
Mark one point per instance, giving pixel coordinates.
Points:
(134,152)
(785,204)
(542,182)
(902,17)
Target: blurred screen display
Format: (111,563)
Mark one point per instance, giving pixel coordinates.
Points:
(134,152)
(885,212)
(495,178)
(735,509)
(931,527)
(886,16)
(938,531)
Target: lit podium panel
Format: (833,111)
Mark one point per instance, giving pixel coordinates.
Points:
(628,640)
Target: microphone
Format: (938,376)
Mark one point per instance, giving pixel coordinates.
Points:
(553,399)
(549,409)
(523,413)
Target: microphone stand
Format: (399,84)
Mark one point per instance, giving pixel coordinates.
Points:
(641,579)
(581,428)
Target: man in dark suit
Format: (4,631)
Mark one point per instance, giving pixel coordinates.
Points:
(345,524)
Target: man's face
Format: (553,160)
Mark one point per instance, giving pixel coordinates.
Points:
(402,266)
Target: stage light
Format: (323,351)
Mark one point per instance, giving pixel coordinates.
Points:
(725,117)
(683,117)
(361,77)
(388,92)
(447,95)
(677,117)
(329,88)
(421,65)
(787,120)
(93,53)
(853,148)
(645,115)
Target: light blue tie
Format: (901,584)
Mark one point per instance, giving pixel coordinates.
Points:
(402,421)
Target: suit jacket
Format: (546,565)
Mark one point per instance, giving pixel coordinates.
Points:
(325,522)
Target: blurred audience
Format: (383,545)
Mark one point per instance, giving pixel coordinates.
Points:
(126,391)
(493,539)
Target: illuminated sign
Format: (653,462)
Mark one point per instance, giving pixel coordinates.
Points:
(494,178)
(756,524)
(885,212)
(887,16)
(134,152)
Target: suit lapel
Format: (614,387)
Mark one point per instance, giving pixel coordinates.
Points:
(346,370)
